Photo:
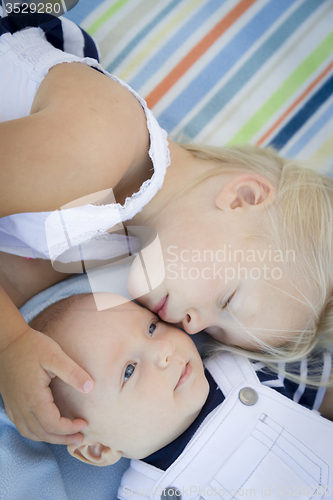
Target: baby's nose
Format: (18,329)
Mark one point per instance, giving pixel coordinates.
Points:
(164,350)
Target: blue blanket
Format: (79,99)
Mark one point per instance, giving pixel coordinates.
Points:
(39,471)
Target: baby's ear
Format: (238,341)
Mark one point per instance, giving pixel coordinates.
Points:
(96,454)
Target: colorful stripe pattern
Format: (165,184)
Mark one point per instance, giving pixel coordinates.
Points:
(227,71)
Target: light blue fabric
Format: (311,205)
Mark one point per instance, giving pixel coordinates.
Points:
(39,471)
(112,279)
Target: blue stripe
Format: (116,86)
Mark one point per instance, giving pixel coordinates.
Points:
(144,32)
(82,10)
(303,115)
(246,72)
(310,133)
(222,63)
(175,42)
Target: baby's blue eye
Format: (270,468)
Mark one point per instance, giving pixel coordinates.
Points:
(152,328)
(129,371)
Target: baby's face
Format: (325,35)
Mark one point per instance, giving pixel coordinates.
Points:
(149,378)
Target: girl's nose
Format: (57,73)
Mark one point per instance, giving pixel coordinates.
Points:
(193,322)
(164,350)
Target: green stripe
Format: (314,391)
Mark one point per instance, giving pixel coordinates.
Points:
(104,17)
(127,24)
(282,94)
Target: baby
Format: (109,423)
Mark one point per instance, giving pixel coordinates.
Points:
(133,358)
(153,398)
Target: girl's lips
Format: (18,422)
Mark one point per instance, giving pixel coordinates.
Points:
(160,308)
(185,374)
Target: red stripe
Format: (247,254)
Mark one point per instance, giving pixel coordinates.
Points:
(197,51)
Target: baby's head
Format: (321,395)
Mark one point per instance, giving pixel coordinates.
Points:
(149,378)
(248,253)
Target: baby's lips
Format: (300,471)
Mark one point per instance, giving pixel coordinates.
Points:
(147,271)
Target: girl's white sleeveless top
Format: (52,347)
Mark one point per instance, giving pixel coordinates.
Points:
(25,59)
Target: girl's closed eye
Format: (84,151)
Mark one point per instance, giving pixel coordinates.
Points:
(129,371)
(225,305)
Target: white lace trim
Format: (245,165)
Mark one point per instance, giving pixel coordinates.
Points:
(99,219)
(90,221)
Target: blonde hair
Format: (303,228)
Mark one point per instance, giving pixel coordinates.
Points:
(301,218)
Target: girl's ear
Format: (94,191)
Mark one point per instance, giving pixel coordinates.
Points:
(247,191)
(96,454)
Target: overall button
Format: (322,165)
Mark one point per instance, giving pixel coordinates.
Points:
(248,396)
(171,493)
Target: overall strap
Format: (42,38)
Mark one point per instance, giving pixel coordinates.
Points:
(256,436)
(230,370)
(139,480)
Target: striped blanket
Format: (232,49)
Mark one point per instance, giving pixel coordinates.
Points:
(223,72)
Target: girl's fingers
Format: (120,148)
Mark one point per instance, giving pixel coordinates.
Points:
(60,431)
(69,372)
(49,419)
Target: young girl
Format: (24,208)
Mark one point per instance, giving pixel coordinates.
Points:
(257,273)
(71,130)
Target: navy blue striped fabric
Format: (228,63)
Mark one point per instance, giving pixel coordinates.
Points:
(90,49)
(49,24)
(52,27)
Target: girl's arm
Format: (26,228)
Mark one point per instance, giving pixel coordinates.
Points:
(23,278)
(12,324)
(84,133)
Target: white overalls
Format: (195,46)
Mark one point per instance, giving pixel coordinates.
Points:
(256,444)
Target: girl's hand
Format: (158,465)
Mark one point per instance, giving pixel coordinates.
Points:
(27,366)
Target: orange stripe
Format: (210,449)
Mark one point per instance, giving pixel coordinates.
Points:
(197,51)
(296,103)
